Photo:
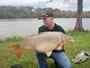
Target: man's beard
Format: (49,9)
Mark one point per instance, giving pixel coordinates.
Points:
(48,25)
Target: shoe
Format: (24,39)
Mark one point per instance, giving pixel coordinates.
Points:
(81,57)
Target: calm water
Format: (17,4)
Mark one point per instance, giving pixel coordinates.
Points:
(24,27)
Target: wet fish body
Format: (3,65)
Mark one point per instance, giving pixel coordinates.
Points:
(43,42)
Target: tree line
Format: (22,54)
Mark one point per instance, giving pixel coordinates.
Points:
(30,12)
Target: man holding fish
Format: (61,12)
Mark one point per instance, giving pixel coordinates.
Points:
(49,42)
(58,54)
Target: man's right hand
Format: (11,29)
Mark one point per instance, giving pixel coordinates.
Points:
(60,46)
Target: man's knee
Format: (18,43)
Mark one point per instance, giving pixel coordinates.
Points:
(66,65)
(69,65)
(42,55)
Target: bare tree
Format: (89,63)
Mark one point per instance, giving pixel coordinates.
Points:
(78,26)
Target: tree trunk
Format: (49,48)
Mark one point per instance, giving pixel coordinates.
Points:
(78,26)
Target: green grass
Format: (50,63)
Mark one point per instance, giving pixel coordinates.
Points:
(28,59)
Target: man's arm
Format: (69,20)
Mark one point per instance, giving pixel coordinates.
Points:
(41,29)
(59,28)
(60,45)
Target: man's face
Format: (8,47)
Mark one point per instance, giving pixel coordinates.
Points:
(47,21)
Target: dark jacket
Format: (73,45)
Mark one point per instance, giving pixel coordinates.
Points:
(57,28)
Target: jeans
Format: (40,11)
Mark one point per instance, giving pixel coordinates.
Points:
(60,58)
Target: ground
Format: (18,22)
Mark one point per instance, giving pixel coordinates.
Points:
(28,59)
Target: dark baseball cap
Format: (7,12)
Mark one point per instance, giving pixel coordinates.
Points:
(44,15)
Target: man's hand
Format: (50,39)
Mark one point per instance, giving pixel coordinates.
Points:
(60,46)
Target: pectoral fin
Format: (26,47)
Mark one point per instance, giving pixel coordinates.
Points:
(32,48)
(27,48)
(48,53)
(18,49)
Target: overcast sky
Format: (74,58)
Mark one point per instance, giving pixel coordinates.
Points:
(72,5)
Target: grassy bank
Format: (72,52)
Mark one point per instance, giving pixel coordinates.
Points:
(28,59)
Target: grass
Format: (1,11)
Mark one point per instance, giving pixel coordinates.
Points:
(28,59)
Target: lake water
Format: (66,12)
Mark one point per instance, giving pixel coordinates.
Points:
(24,27)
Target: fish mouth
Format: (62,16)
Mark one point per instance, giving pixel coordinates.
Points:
(72,41)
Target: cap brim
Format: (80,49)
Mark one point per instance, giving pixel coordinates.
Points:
(41,18)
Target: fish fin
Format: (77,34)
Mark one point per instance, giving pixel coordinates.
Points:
(19,53)
(48,53)
(27,48)
(17,49)
(32,48)
(14,47)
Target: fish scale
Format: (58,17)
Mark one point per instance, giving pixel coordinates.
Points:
(43,42)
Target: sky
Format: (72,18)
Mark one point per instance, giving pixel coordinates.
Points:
(60,4)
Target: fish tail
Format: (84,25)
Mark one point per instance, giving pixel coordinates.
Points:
(18,50)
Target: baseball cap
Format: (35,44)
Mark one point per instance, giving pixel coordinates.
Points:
(44,15)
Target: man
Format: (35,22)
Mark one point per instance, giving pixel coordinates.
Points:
(58,55)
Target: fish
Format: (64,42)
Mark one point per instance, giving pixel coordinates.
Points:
(44,42)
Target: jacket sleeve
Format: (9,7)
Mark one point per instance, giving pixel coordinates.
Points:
(40,30)
(60,29)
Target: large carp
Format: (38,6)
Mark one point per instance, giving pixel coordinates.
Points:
(43,42)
